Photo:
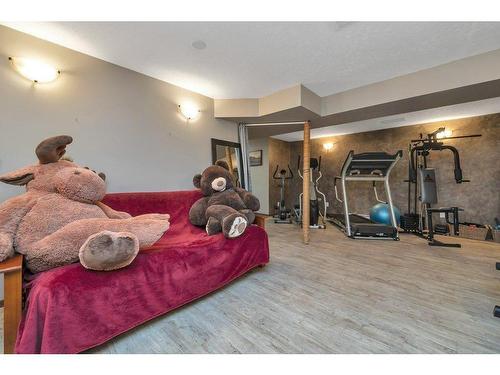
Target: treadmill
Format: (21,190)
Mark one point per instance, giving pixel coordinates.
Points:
(368,166)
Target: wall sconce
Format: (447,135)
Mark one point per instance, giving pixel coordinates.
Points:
(189,111)
(34,70)
(444,134)
(328,146)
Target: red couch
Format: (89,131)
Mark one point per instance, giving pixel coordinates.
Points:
(70,309)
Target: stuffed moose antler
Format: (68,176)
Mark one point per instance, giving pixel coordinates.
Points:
(60,219)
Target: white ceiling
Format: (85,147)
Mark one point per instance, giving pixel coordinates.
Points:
(255,59)
(452,112)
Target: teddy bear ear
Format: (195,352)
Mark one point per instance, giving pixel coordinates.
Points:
(222,163)
(197,181)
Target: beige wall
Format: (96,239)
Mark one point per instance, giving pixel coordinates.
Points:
(259,175)
(123,123)
(264,186)
(282,101)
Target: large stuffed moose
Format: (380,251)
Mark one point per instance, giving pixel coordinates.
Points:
(60,219)
(224,208)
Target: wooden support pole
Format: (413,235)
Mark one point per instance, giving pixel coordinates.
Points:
(306,171)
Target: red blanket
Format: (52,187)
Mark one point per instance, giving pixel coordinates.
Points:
(71,309)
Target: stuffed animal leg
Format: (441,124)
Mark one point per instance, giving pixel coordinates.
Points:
(197,213)
(226,219)
(11,213)
(113,214)
(250,215)
(106,250)
(99,244)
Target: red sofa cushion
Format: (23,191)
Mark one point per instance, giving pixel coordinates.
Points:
(71,309)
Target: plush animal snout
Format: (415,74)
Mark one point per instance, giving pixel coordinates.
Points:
(219,184)
(80,184)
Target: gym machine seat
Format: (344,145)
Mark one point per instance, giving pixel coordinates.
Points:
(368,166)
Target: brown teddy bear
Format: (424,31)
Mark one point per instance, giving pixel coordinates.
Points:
(224,207)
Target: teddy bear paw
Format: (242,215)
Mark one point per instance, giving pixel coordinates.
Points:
(237,227)
(213,226)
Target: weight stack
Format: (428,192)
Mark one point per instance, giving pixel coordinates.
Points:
(441,229)
(409,222)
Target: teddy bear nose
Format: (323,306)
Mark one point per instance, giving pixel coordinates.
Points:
(220,183)
(77,172)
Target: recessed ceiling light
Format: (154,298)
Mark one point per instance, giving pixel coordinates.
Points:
(199,44)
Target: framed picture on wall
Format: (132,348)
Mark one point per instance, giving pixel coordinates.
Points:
(255,158)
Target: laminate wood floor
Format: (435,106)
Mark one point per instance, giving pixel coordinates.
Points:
(338,295)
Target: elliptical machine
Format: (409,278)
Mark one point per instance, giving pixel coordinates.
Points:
(314,192)
(283,214)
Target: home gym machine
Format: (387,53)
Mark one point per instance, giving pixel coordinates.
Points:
(422,178)
(368,166)
(282,215)
(315,196)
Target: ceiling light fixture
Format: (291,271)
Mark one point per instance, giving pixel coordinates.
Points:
(189,111)
(34,70)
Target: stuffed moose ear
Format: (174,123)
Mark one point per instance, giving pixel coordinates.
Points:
(197,181)
(18,177)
